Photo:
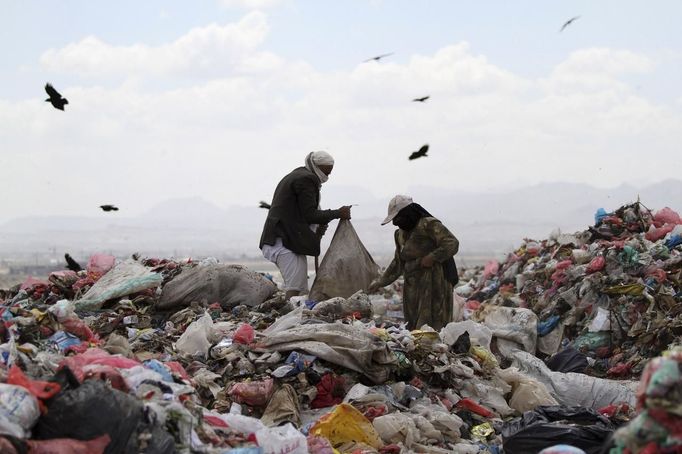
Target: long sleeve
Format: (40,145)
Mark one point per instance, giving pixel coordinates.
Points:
(306,193)
(395,268)
(447,243)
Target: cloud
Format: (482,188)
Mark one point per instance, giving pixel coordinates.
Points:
(234,131)
(249,4)
(210,49)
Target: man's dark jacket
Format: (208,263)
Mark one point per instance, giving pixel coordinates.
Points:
(294,208)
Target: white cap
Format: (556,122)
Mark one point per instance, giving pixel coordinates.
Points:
(396,204)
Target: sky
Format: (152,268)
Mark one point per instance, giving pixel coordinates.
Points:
(221,98)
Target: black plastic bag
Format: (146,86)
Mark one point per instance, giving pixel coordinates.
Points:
(568,360)
(93,409)
(547,426)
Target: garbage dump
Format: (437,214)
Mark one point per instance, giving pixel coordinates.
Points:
(544,355)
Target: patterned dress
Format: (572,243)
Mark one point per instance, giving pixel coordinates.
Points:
(427,295)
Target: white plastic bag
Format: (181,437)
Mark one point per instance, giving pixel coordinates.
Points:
(601,321)
(194,341)
(478,333)
(282,440)
(18,411)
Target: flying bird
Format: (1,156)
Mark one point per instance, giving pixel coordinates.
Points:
(422,99)
(263,204)
(108,208)
(55,98)
(569,22)
(72,264)
(421,153)
(378,57)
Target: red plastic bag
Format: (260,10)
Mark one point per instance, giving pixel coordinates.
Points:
(244,334)
(256,393)
(474,407)
(596,264)
(68,446)
(77,327)
(177,369)
(42,390)
(330,391)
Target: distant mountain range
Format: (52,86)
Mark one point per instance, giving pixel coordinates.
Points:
(487,224)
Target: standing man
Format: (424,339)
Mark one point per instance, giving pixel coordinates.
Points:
(295,222)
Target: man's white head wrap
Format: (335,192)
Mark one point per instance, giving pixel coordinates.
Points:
(319,158)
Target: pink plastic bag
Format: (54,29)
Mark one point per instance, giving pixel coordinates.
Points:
(655,234)
(95,356)
(99,264)
(69,446)
(490,269)
(667,216)
(596,264)
(31,282)
(255,393)
(244,334)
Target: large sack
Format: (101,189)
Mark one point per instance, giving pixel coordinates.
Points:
(344,345)
(229,285)
(124,279)
(346,267)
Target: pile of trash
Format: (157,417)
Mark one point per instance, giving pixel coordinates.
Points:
(611,292)
(161,356)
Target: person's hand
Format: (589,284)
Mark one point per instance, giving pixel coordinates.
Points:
(322,229)
(427,261)
(373,287)
(344,212)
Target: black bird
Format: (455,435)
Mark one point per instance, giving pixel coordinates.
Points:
(421,153)
(265,205)
(378,57)
(569,22)
(108,207)
(55,98)
(422,99)
(72,264)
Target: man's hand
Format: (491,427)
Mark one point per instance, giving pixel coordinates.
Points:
(344,212)
(373,287)
(322,229)
(427,261)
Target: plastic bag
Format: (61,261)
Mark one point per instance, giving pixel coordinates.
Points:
(601,321)
(346,267)
(282,440)
(244,334)
(255,393)
(194,341)
(94,356)
(357,304)
(69,446)
(667,216)
(580,427)
(124,279)
(100,264)
(346,424)
(18,410)
(94,409)
(478,333)
(568,360)
(42,390)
